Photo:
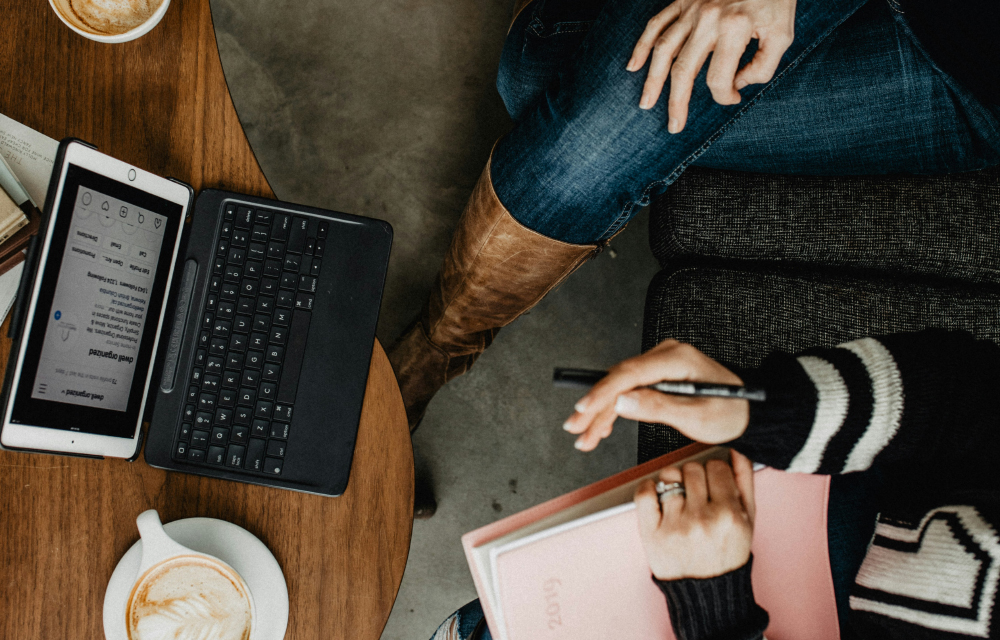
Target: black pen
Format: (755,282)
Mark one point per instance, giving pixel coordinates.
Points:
(586,378)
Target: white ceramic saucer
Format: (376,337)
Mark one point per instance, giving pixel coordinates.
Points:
(231,544)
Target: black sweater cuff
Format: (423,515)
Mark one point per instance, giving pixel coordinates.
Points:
(720,608)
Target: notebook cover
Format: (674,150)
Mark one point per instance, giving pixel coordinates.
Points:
(593,581)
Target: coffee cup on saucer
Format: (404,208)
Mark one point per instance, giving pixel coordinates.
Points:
(110,21)
(182,593)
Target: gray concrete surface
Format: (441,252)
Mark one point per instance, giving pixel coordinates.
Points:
(388,108)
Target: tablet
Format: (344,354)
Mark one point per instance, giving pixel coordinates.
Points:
(93,307)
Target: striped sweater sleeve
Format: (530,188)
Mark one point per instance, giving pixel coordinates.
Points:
(918,397)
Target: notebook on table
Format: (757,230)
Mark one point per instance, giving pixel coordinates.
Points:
(574,567)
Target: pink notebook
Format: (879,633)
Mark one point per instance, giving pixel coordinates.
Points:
(574,567)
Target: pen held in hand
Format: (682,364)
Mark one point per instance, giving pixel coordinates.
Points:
(586,378)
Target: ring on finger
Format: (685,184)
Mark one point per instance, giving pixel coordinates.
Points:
(668,489)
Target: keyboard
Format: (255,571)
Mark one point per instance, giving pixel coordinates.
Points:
(240,390)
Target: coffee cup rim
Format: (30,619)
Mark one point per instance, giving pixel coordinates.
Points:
(127,36)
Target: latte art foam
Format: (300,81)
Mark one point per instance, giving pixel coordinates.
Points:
(112,17)
(189,599)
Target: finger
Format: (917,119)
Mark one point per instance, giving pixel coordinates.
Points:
(709,420)
(695,486)
(656,25)
(666,50)
(673,505)
(726,61)
(599,429)
(647,507)
(721,483)
(765,61)
(682,75)
(743,473)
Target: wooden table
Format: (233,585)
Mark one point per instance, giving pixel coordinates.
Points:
(161,103)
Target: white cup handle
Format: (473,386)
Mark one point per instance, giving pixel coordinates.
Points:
(156,544)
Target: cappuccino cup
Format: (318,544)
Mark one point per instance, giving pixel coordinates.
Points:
(110,21)
(184,594)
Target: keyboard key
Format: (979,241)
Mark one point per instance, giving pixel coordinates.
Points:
(260,428)
(255,455)
(180,451)
(217,347)
(233,274)
(258,340)
(224,417)
(279,430)
(272,466)
(286,299)
(263,409)
(206,402)
(240,238)
(230,291)
(216,455)
(299,331)
(273,354)
(196,455)
(257,251)
(230,379)
(297,235)
(234,456)
(247,397)
(255,359)
(272,269)
(283,412)
(253,269)
(207,320)
(245,305)
(210,383)
(189,410)
(265,305)
(226,309)
(263,217)
(307,284)
(236,256)
(289,281)
(310,246)
(222,328)
(214,283)
(192,395)
(226,229)
(244,218)
(279,227)
(212,302)
(240,434)
(304,301)
(249,287)
(324,228)
(314,267)
(204,338)
(229,211)
(196,375)
(199,439)
(270,372)
(214,365)
(185,432)
(282,317)
(276,448)
(242,324)
(220,435)
(268,391)
(261,322)
(278,335)
(219,266)
(320,248)
(251,378)
(276,251)
(234,360)
(268,287)
(227,398)
(292,262)
(202,420)
(242,415)
(260,233)
(238,342)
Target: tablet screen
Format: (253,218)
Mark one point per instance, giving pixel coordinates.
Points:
(102,292)
(100,304)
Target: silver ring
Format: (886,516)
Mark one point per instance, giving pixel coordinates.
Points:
(668,489)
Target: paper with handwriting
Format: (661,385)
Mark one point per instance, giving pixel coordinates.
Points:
(30,155)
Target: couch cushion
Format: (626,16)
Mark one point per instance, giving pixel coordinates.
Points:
(947,225)
(739,316)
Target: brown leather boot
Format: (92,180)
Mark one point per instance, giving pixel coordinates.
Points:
(495,270)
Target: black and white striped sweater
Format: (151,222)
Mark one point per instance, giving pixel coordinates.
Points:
(925,408)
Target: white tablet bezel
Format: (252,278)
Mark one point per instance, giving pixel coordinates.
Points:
(22,436)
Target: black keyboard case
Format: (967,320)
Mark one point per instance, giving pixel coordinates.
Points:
(334,373)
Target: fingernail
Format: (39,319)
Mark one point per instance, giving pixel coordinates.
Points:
(673,126)
(626,404)
(644,103)
(631,65)
(580,406)
(567,426)
(578,444)
(741,83)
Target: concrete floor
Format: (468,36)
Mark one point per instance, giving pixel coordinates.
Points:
(387,108)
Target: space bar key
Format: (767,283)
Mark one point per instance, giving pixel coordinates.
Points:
(294,352)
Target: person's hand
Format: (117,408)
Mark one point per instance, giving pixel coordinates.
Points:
(681,36)
(622,393)
(706,533)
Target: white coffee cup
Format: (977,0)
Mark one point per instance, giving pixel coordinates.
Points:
(75,21)
(182,593)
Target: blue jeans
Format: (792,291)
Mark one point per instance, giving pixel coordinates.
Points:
(854,94)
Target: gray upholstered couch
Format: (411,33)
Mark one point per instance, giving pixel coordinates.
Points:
(752,263)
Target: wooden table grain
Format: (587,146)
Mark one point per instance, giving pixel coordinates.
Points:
(161,103)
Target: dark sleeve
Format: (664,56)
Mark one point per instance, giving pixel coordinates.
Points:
(721,608)
(914,397)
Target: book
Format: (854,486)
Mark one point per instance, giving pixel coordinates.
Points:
(12,251)
(11,216)
(574,567)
